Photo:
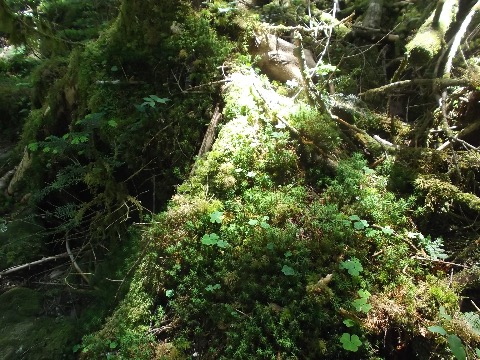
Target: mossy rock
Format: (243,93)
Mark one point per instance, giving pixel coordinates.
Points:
(21,301)
(21,242)
(24,334)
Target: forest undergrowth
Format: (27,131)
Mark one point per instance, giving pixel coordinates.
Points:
(331,215)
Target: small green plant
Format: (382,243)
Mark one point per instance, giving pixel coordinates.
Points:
(455,344)
(358,224)
(362,304)
(212,288)
(214,239)
(353,266)
(216,217)
(350,342)
(151,101)
(287,270)
(263,222)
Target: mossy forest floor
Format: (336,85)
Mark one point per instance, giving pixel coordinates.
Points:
(318,220)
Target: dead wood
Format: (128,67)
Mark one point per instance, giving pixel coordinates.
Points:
(277,59)
(33,263)
(209,137)
(438,83)
(429,39)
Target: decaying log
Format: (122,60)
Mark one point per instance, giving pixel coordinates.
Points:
(442,191)
(373,15)
(429,39)
(277,58)
(209,137)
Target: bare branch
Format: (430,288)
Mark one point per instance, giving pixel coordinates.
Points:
(437,83)
(33,263)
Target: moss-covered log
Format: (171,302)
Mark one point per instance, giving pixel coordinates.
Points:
(430,38)
(440,191)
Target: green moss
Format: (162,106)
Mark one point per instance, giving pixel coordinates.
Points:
(20,302)
(24,333)
(441,192)
(14,106)
(23,241)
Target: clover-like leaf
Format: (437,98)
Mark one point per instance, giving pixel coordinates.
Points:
(287,270)
(361,305)
(360,225)
(264,225)
(349,322)
(354,218)
(169,293)
(277,134)
(353,266)
(222,244)
(216,217)
(387,230)
(210,239)
(350,342)
(368,171)
(252,222)
(364,293)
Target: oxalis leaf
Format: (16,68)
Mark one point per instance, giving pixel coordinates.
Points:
(222,244)
(287,270)
(210,239)
(353,266)
(216,217)
(360,225)
(456,347)
(364,293)
(159,100)
(387,230)
(350,342)
(362,305)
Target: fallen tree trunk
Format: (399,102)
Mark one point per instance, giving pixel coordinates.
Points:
(429,39)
